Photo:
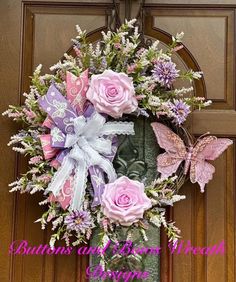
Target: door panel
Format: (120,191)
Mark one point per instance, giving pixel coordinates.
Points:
(206,219)
(42,35)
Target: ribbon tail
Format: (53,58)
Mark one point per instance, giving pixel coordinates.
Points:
(60,176)
(80,180)
(97,175)
(117,128)
(97,179)
(108,168)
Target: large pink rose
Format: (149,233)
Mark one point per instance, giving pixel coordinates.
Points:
(112,93)
(124,201)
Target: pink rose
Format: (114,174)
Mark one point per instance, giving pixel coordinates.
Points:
(124,201)
(112,93)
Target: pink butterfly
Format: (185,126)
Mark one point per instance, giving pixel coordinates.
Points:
(195,156)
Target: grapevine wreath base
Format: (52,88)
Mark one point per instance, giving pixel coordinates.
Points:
(71,120)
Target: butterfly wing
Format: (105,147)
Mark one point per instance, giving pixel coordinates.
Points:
(168,162)
(208,148)
(201,172)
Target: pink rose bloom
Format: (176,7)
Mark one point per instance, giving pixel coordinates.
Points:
(124,201)
(112,93)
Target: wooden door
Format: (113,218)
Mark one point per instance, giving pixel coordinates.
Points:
(34,32)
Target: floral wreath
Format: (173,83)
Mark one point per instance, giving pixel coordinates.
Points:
(72,118)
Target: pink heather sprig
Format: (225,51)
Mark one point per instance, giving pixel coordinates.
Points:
(140,52)
(29,113)
(45,178)
(66,237)
(131,68)
(77,51)
(35,160)
(51,215)
(177,48)
(89,234)
(105,222)
(14,114)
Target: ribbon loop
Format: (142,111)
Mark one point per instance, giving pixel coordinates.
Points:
(79,125)
(88,143)
(94,125)
(102,145)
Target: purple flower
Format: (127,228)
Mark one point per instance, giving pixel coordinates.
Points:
(104,63)
(165,72)
(78,221)
(180,111)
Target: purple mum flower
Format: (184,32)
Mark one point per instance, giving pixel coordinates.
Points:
(78,221)
(180,111)
(165,72)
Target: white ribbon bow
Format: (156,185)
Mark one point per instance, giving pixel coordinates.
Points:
(87,149)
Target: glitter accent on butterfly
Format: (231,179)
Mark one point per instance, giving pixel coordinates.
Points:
(207,148)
